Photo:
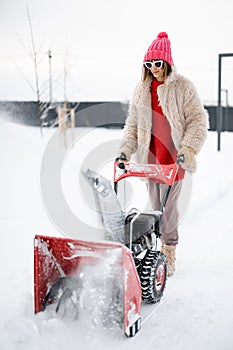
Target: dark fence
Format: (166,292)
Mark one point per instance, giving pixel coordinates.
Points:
(88,114)
(227,118)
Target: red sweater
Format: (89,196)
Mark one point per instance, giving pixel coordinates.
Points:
(162,148)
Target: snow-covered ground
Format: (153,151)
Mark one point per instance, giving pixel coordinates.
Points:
(196,310)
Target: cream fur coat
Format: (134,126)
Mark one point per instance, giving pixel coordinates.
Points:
(181,106)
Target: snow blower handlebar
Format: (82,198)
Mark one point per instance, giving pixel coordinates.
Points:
(161,172)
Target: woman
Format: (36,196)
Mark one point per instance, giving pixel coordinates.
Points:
(166,118)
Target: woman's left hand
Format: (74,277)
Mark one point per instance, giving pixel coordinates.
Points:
(190,163)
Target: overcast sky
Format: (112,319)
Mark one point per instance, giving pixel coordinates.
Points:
(101,45)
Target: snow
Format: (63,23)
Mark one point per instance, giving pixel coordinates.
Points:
(196,309)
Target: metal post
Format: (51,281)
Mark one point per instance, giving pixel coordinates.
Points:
(219,108)
(227,114)
(219,114)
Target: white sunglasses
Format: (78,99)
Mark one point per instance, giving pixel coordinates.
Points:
(157,64)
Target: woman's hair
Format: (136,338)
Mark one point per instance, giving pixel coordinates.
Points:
(146,73)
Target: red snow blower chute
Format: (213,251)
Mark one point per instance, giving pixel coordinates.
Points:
(107,280)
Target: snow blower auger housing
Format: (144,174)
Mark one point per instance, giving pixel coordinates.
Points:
(66,271)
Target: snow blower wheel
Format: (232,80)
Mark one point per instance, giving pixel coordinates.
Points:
(153,275)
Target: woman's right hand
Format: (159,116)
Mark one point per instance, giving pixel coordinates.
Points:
(122,158)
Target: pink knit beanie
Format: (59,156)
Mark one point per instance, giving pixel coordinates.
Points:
(160,49)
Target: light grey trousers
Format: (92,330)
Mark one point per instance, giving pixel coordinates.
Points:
(170,218)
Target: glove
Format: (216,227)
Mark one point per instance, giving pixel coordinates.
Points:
(122,157)
(190,163)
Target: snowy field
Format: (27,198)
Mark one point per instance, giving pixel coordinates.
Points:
(196,310)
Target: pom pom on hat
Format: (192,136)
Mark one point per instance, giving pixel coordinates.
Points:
(160,49)
(162,35)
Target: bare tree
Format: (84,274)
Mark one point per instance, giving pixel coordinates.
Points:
(33,53)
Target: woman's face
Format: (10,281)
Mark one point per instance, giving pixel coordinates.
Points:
(157,72)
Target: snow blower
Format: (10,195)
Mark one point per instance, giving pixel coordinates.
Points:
(107,280)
